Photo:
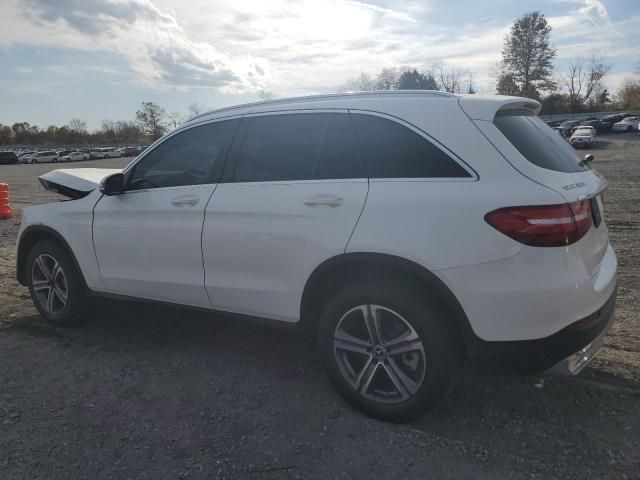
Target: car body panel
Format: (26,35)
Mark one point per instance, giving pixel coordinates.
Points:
(532,295)
(261,241)
(148,246)
(73,222)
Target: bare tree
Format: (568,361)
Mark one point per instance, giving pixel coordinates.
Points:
(451,78)
(78,126)
(361,83)
(175,119)
(78,129)
(583,79)
(194,109)
(388,79)
(151,119)
(266,94)
(628,95)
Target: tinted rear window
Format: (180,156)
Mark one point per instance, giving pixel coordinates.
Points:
(538,143)
(392,150)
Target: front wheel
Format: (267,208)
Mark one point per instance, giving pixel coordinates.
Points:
(387,350)
(56,286)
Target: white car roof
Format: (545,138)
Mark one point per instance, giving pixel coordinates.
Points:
(482,107)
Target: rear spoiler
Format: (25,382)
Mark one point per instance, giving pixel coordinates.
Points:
(485,107)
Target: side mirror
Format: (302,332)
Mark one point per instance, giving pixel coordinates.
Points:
(588,158)
(112,185)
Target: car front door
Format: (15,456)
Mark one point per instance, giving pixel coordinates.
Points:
(148,239)
(292,192)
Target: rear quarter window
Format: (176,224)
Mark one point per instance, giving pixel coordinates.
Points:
(537,142)
(392,150)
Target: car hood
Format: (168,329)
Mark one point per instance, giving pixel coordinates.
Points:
(75,182)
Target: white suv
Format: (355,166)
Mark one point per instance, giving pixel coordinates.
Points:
(409,232)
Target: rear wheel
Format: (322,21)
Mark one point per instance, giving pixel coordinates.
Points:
(55,285)
(629,128)
(387,350)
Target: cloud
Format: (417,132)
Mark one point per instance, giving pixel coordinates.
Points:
(292,47)
(95,16)
(152,40)
(595,12)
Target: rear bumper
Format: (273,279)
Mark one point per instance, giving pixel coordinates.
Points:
(565,352)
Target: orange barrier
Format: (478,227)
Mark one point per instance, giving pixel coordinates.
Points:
(5,209)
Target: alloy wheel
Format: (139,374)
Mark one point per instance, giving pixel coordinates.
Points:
(49,284)
(379,354)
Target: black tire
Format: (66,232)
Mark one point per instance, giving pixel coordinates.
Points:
(629,128)
(72,313)
(441,360)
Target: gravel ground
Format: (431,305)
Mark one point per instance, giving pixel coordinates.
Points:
(154,392)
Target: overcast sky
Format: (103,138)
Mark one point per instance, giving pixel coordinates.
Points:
(98,59)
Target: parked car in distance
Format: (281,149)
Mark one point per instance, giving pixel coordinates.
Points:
(128,151)
(615,118)
(627,124)
(587,127)
(8,158)
(555,123)
(74,157)
(41,157)
(597,125)
(105,152)
(582,137)
(112,152)
(566,127)
(341,214)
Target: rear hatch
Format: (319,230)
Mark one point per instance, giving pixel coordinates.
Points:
(542,155)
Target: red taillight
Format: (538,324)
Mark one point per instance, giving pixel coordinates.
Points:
(545,225)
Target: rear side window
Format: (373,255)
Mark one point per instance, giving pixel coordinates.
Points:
(538,143)
(298,146)
(392,150)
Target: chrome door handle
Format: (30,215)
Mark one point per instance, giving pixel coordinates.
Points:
(325,199)
(185,201)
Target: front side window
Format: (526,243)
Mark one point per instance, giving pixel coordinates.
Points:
(392,150)
(298,146)
(538,143)
(191,157)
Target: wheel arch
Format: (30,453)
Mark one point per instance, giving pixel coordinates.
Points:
(32,235)
(335,271)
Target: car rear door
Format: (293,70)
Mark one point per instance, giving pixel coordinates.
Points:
(148,239)
(292,192)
